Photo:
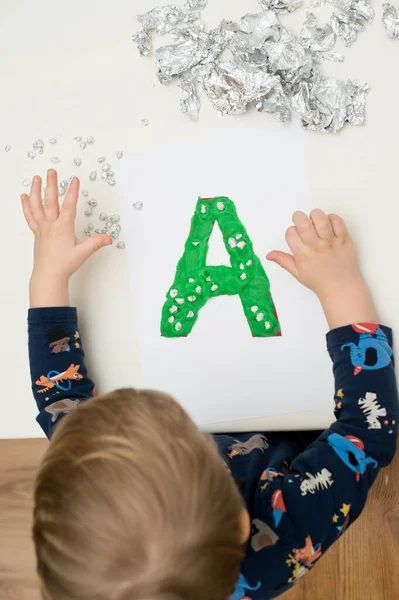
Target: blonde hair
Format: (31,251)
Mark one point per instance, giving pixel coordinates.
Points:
(132,502)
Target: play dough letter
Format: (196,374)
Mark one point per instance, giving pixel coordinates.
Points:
(195,282)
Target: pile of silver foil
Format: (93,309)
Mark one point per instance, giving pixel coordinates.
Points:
(257,62)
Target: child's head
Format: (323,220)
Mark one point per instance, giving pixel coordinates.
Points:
(133,503)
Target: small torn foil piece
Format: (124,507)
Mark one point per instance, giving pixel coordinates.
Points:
(231,86)
(280,6)
(390,21)
(62,187)
(194,32)
(327,104)
(162,19)
(357,102)
(315,115)
(189,102)
(321,58)
(174,59)
(259,26)
(219,39)
(317,39)
(354,16)
(361,10)
(195,4)
(248,43)
(289,59)
(343,5)
(356,7)
(144,43)
(275,102)
(345,27)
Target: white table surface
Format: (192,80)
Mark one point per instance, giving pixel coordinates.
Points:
(70,68)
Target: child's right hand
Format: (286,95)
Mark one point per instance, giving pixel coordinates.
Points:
(323,257)
(324,260)
(57,251)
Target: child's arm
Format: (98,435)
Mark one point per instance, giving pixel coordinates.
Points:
(59,376)
(329,482)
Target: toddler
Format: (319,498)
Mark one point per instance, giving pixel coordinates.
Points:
(133,502)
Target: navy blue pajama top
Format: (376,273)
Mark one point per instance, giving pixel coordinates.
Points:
(300,499)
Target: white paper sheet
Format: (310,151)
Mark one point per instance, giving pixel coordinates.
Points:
(220,372)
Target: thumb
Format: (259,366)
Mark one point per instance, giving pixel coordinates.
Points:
(284,260)
(92,244)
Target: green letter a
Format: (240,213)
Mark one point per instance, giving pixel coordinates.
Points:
(195,282)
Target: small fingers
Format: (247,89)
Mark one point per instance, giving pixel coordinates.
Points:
(51,206)
(28,213)
(338,226)
(92,244)
(305,229)
(35,200)
(284,260)
(68,209)
(293,240)
(322,224)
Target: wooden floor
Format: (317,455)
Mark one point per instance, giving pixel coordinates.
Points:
(362,565)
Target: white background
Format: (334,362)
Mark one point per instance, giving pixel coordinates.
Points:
(70,68)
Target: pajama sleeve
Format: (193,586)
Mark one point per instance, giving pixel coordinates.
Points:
(327,486)
(56,357)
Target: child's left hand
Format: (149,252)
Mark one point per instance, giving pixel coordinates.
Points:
(57,251)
